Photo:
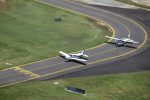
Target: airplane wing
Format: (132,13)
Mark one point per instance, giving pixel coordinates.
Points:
(112,38)
(77,59)
(135,42)
(132,41)
(129,40)
(63,54)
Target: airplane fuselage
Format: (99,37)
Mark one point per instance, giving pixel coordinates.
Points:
(72,57)
(123,42)
(120,43)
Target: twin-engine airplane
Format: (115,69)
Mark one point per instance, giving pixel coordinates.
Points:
(122,41)
(80,57)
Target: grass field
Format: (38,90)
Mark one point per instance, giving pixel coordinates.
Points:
(134,86)
(134,3)
(28,32)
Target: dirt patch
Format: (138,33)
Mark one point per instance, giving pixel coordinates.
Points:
(2,1)
(4,4)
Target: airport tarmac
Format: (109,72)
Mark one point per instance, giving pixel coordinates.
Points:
(106,53)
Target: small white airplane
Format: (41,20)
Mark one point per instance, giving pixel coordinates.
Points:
(74,57)
(122,41)
(80,54)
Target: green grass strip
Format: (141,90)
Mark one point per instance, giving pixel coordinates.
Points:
(28,32)
(133,86)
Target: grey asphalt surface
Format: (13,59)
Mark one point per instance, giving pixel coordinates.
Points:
(137,63)
(99,56)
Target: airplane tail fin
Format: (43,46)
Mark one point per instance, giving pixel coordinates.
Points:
(129,36)
(82,52)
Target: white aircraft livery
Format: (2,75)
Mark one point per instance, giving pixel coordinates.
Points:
(122,41)
(74,57)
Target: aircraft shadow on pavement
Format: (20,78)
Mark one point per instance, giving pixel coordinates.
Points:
(82,63)
(84,58)
(73,61)
(128,46)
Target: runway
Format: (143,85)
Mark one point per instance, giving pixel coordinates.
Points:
(105,53)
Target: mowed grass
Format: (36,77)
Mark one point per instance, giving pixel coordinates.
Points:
(29,33)
(133,86)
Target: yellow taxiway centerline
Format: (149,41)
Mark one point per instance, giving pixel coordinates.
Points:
(58,63)
(143,43)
